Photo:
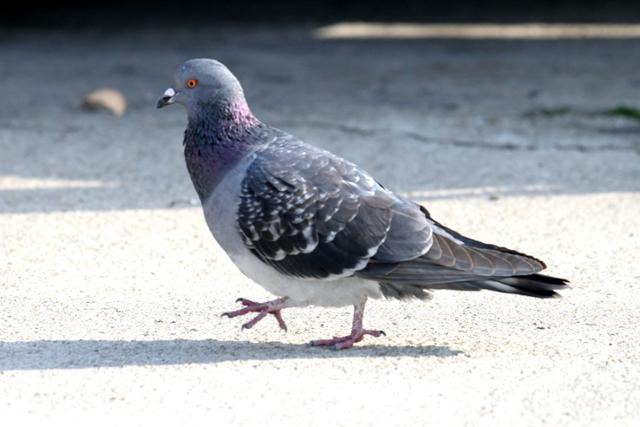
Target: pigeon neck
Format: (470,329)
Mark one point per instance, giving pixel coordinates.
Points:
(216,141)
(225,116)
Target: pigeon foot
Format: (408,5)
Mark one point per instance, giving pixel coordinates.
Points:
(341,343)
(271,307)
(357,332)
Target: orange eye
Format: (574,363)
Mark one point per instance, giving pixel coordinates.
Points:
(191,83)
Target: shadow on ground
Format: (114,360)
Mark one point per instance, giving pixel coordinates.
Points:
(104,353)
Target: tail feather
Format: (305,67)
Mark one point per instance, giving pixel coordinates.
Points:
(457,262)
(533,285)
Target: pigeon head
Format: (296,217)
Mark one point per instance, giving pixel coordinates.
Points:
(205,86)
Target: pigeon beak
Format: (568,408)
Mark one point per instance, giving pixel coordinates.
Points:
(167,98)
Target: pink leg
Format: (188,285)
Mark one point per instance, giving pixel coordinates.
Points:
(270,307)
(357,332)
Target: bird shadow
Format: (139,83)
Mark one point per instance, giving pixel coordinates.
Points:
(78,354)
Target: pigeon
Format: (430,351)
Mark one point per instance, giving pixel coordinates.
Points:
(315,229)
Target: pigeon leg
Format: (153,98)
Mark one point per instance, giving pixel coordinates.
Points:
(357,332)
(270,307)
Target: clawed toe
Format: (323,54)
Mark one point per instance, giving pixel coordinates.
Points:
(247,302)
(271,307)
(340,343)
(251,323)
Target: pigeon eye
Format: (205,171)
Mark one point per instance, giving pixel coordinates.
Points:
(191,83)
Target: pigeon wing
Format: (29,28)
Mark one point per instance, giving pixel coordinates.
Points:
(453,258)
(309,213)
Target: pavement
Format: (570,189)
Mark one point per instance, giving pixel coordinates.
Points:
(111,286)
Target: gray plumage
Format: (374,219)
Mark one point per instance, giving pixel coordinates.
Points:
(309,213)
(305,223)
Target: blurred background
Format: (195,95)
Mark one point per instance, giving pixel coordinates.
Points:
(144,13)
(515,122)
(514,77)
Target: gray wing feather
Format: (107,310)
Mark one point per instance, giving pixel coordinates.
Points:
(453,259)
(309,213)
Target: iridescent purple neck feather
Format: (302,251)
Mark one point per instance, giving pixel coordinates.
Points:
(217,137)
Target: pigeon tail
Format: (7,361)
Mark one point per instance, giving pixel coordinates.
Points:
(532,285)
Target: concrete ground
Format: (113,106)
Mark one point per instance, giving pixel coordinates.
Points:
(111,286)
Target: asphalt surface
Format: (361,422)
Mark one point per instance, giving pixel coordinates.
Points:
(111,286)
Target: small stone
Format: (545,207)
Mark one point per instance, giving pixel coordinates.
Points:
(106,99)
